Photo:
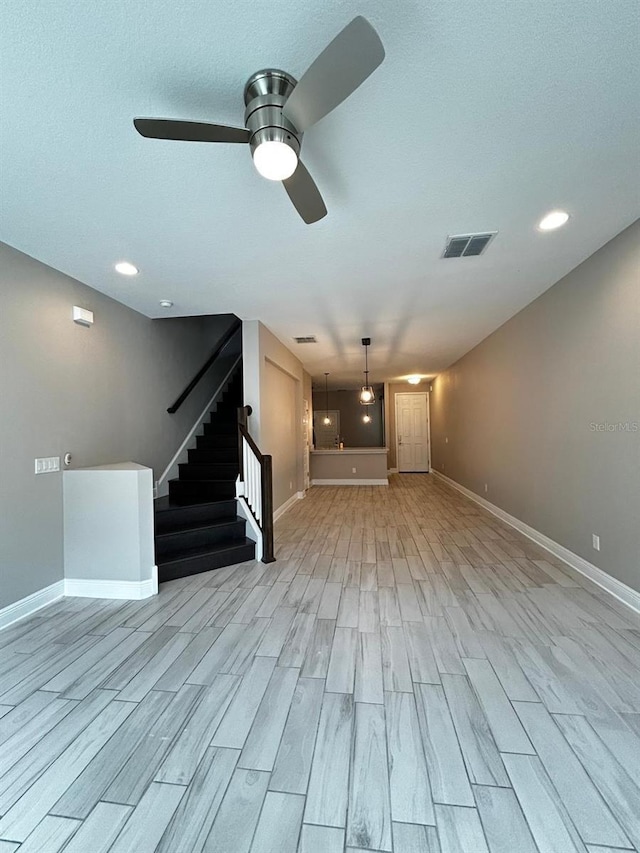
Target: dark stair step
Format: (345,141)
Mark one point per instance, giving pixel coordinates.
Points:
(219,454)
(209,471)
(226,419)
(215,442)
(199,491)
(180,542)
(221,428)
(170,516)
(228,409)
(226,553)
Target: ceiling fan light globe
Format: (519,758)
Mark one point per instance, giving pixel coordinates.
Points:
(275,160)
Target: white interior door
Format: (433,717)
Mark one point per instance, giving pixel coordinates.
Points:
(412,432)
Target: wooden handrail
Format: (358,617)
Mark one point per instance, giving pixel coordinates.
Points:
(224,340)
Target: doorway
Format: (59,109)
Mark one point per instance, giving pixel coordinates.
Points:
(412,432)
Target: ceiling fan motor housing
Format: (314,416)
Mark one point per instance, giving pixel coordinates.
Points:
(265,94)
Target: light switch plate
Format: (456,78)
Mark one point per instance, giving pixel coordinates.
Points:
(47,464)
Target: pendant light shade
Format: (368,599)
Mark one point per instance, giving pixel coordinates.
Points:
(367,394)
(326,420)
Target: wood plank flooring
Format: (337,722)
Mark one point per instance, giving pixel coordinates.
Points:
(410,676)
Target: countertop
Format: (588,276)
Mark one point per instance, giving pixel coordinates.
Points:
(357,451)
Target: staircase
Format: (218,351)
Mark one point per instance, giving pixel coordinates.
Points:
(196,527)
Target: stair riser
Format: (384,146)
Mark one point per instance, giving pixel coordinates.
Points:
(217,471)
(195,565)
(195,491)
(179,517)
(226,414)
(221,428)
(180,541)
(226,455)
(216,442)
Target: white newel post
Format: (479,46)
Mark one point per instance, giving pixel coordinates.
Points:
(108,532)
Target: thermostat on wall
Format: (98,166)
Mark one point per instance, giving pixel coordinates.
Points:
(82,316)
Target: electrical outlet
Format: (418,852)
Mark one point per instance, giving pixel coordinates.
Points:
(446,441)
(353,470)
(595,541)
(47,464)
(290,484)
(486,487)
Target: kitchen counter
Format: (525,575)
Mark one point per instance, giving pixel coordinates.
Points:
(351,466)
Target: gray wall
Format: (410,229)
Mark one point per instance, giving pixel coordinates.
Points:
(275,385)
(100,393)
(526,412)
(354,432)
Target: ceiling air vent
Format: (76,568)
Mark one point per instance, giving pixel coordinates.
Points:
(306,339)
(467,245)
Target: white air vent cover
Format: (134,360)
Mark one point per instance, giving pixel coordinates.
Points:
(306,339)
(467,245)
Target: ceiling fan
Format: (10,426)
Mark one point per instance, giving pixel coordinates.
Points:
(279,109)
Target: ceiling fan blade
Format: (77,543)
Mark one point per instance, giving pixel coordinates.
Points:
(305,195)
(343,65)
(189,131)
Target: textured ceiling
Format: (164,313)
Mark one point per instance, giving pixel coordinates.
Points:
(483,117)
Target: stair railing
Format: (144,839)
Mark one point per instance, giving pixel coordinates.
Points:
(256,475)
(222,343)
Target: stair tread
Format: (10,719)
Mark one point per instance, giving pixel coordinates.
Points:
(205,550)
(224,480)
(198,525)
(165,504)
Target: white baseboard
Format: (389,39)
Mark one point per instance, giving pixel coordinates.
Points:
(614,587)
(78,588)
(27,606)
(131,590)
(392,471)
(298,496)
(353,482)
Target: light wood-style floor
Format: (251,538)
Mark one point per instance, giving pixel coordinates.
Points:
(411,675)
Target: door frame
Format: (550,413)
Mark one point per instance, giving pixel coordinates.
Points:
(428,407)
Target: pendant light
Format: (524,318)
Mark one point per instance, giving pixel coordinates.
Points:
(326,420)
(367,394)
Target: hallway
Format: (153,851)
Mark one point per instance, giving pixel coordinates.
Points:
(410,675)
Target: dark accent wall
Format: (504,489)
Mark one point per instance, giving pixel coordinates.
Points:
(352,429)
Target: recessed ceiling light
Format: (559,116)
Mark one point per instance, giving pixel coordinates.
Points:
(125,268)
(555,219)
(413,380)
(166,303)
